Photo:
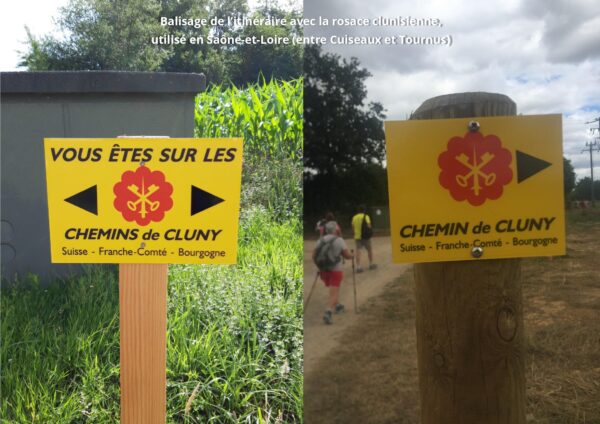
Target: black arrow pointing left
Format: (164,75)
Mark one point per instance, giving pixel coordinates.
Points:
(86,200)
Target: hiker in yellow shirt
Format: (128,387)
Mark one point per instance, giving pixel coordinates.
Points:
(363,231)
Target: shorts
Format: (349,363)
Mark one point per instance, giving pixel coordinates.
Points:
(332,278)
(366,243)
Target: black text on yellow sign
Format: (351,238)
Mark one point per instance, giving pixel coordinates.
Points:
(143,200)
(464,194)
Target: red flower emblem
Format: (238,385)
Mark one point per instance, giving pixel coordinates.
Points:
(143,196)
(475,168)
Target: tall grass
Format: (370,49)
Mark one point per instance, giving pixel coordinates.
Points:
(234,349)
(238,344)
(60,350)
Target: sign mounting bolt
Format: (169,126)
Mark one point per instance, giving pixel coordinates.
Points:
(477,252)
(474,126)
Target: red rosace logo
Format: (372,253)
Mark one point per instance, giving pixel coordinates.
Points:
(475,168)
(143,196)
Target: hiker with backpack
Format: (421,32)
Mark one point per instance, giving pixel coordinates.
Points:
(327,255)
(363,231)
(321,225)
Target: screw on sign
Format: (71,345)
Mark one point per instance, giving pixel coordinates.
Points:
(143,196)
(475,168)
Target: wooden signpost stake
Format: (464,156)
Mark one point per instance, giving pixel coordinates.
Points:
(143,324)
(469,316)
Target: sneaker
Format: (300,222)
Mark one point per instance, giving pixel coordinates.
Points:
(327,318)
(359,270)
(372,266)
(339,308)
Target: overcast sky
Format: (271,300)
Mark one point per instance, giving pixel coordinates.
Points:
(545,55)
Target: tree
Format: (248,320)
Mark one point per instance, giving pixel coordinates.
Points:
(277,60)
(212,60)
(343,136)
(118,35)
(100,35)
(342,193)
(340,131)
(583,189)
(569,177)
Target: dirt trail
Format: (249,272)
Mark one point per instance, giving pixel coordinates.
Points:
(319,339)
(363,368)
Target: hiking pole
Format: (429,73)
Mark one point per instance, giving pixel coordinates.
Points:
(354,283)
(311,289)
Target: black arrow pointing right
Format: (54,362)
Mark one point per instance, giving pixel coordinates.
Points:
(528,165)
(202,200)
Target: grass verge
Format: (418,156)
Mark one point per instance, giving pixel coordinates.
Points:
(234,339)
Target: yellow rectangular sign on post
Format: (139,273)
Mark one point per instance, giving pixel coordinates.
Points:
(143,200)
(476,188)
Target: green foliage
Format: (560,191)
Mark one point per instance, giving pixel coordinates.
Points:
(267,115)
(275,185)
(237,64)
(101,35)
(214,61)
(341,131)
(583,189)
(272,61)
(569,177)
(342,193)
(117,35)
(239,330)
(60,350)
(343,137)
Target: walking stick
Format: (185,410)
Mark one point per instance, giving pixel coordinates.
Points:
(311,290)
(354,283)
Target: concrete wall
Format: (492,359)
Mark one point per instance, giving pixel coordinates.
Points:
(72,104)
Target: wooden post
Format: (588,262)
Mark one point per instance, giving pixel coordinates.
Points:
(143,324)
(469,316)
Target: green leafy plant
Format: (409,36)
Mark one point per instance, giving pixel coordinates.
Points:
(267,115)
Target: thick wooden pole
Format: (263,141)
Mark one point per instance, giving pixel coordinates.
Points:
(143,323)
(469,316)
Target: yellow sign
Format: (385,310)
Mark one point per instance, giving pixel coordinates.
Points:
(143,200)
(476,188)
